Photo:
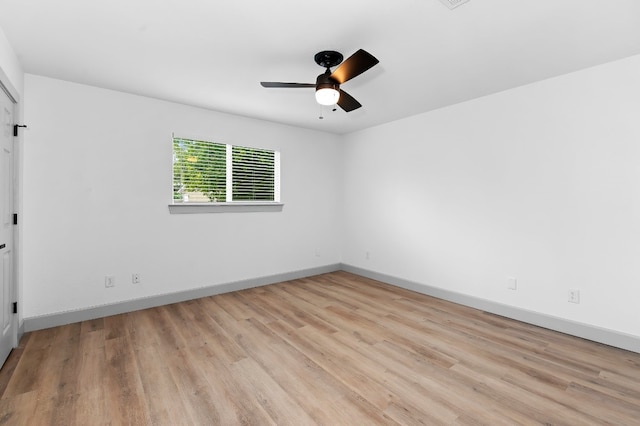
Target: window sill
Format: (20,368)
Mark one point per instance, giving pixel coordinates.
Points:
(236,207)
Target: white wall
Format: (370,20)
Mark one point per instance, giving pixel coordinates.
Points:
(97,183)
(541,183)
(9,63)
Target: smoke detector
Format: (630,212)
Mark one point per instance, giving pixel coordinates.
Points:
(452,4)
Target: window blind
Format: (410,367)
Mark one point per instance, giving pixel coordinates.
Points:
(253,174)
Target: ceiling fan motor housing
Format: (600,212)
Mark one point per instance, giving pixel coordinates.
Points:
(324,81)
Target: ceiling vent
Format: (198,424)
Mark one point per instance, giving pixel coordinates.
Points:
(452,4)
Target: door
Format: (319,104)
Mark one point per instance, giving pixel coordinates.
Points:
(7,323)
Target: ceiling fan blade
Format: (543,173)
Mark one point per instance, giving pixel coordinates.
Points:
(347,102)
(285,85)
(354,65)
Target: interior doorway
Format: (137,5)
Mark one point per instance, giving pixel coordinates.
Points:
(8,288)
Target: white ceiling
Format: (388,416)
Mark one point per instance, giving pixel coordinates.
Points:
(213,54)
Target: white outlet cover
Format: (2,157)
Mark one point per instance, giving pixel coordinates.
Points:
(512,283)
(574,296)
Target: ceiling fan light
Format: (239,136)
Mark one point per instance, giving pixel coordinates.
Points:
(327,96)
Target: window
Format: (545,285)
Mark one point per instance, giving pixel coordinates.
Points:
(208,172)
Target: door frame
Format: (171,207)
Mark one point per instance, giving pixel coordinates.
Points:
(12,93)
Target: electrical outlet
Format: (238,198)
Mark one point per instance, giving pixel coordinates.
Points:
(317,252)
(574,295)
(109,281)
(135,278)
(367,255)
(512,283)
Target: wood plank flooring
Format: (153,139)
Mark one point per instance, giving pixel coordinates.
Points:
(336,349)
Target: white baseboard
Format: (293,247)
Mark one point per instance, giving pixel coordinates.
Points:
(585,331)
(597,334)
(69,317)
(20,330)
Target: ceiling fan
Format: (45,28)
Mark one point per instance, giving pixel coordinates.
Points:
(327,84)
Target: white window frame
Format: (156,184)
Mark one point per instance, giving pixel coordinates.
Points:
(229,205)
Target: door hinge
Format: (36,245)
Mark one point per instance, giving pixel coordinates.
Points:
(15,218)
(16,127)
(15,307)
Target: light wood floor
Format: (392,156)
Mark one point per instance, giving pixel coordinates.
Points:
(335,349)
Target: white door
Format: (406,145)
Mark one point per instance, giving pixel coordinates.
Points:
(7,326)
